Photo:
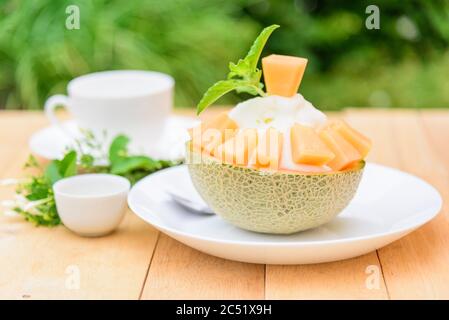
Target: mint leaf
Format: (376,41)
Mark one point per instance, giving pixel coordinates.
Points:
(118,148)
(59,169)
(215,92)
(52,172)
(255,51)
(39,189)
(240,70)
(132,167)
(247,68)
(129,164)
(87,161)
(243,76)
(67,166)
(222,87)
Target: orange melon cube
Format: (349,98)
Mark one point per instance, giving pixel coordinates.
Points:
(245,144)
(283,74)
(358,140)
(221,121)
(211,133)
(212,138)
(305,168)
(307,146)
(225,152)
(195,137)
(345,153)
(269,149)
(237,149)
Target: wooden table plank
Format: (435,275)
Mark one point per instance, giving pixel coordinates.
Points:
(41,263)
(414,267)
(345,279)
(180,272)
(436,126)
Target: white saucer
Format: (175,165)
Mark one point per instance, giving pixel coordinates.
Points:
(388,205)
(52,143)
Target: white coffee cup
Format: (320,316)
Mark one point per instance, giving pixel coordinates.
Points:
(134,103)
(92,205)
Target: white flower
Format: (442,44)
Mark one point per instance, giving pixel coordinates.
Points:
(24,204)
(21,201)
(33,204)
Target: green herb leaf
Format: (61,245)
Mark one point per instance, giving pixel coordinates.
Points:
(132,167)
(255,51)
(118,148)
(129,164)
(243,76)
(241,69)
(67,167)
(39,189)
(58,169)
(32,162)
(52,172)
(87,161)
(247,68)
(221,88)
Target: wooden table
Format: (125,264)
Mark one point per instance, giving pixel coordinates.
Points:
(138,262)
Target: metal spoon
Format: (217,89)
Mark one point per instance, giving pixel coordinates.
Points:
(190,204)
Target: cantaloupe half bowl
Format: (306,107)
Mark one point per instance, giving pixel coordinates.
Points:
(254,167)
(277,202)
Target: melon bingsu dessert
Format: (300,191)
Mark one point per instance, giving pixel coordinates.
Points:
(274,163)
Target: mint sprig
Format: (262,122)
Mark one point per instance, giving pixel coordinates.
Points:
(35,198)
(243,76)
(132,167)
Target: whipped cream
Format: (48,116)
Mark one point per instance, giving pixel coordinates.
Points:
(277,112)
(280,113)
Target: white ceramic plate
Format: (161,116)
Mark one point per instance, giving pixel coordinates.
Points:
(52,143)
(388,205)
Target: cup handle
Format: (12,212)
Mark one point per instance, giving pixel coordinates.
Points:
(50,106)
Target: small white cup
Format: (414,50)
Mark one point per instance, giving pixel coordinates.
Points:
(92,205)
(131,102)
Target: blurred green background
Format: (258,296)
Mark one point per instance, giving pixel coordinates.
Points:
(404,64)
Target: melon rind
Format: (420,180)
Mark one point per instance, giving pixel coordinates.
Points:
(272,202)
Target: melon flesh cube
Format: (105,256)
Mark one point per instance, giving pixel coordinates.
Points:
(245,144)
(220,121)
(195,136)
(223,136)
(211,133)
(283,74)
(212,138)
(225,152)
(345,153)
(252,159)
(239,148)
(358,140)
(269,148)
(305,168)
(307,146)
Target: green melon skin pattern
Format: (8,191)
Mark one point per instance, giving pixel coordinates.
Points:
(271,202)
